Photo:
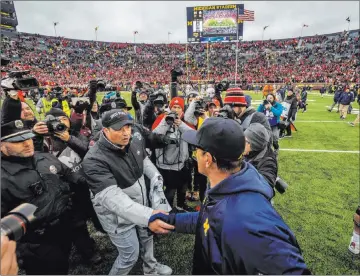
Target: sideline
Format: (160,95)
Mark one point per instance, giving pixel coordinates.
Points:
(313,150)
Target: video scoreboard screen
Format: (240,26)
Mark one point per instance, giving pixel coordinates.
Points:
(214,23)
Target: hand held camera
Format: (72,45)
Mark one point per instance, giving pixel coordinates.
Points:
(170,118)
(54,124)
(15,224)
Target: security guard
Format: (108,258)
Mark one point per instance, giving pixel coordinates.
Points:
(40,179)
(45,103)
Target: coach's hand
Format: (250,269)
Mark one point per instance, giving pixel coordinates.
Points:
(158,226)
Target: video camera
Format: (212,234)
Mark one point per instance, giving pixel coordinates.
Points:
(54,124)
(100,86)
(175,73)
(17,81)
(200,107)
(223,85)
(15,224)
(171,117)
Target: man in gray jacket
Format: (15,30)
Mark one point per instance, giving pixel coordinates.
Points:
(115,167)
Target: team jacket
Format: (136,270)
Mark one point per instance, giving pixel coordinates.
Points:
(116,180)
(239,232)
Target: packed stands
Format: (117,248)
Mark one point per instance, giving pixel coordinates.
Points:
(68,62)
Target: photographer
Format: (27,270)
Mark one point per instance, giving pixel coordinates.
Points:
(171,160)
(40,179)
(46,103)
(139,105)
(291,105)
(272,110)
(61,102)
(245,115)
(61,140)
(153,108)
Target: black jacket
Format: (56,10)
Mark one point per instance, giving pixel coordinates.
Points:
(41,180)
(149,115)
(267,166)
(125,165)
(293,107)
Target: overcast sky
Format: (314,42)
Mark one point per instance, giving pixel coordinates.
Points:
(153,20)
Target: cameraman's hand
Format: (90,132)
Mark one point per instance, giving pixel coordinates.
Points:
(177,122)
(268,106)
(40,128)
(9,265)
(65,136)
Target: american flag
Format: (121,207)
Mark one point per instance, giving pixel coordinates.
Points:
(247,16)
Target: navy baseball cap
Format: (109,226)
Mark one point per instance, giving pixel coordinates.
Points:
(15,131)
(222,137)
(116,119)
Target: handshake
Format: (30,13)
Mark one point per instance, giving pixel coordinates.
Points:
(161,222)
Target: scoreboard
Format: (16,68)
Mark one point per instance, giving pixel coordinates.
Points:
(214,23)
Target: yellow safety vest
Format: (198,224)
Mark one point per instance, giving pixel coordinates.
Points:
(47,105)
(65,106)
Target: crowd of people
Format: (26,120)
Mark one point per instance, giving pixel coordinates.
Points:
(134,177)
(69,62)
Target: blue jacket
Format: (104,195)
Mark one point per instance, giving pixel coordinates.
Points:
(239,232)
(275,111)
(337,96)
(346,98)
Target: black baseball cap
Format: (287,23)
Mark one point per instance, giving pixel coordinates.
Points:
(222,137)
(15,131)
(116,119)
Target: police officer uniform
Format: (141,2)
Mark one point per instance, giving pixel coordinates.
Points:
(43,181)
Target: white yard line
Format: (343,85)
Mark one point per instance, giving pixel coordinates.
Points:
(319,122)
(313,150)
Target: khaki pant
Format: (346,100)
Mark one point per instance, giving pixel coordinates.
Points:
(343,110)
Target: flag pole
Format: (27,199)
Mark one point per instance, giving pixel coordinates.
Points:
(349,24)
(168,37)
(302,30)
(55,28)
(134,37)
(95,34)
(237,46)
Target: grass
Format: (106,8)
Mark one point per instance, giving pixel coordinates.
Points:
(318,206)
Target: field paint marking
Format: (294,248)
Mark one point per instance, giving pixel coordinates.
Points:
(319,122)
(353,111)
(313,150)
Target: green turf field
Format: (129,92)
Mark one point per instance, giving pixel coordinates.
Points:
(319,204)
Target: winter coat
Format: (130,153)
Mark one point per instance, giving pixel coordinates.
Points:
(273,115)
(346,98)
(173,156)
(116,180)
(239,232)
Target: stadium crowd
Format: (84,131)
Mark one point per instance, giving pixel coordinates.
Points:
(90,160)
(68,62)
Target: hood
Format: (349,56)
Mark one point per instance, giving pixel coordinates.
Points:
(246,180)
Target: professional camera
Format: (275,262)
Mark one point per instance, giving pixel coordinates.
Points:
(265,102)
(15,224)
(170,118)
(138,85)
(100,85)
(226,112)
(200,107)
(54,124)
(17,81)
(175,73)
(280,185)
(223,85)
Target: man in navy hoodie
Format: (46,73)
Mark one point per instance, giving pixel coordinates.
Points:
(345,99)
(237,230)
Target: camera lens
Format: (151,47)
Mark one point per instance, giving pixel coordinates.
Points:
(60,127)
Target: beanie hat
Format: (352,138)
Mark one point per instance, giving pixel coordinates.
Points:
(235,96)
(178,101)
(56,112)
(11,110)
(258,136)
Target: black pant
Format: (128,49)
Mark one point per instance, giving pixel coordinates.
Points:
(175,182)
(48,253)
(200,182)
